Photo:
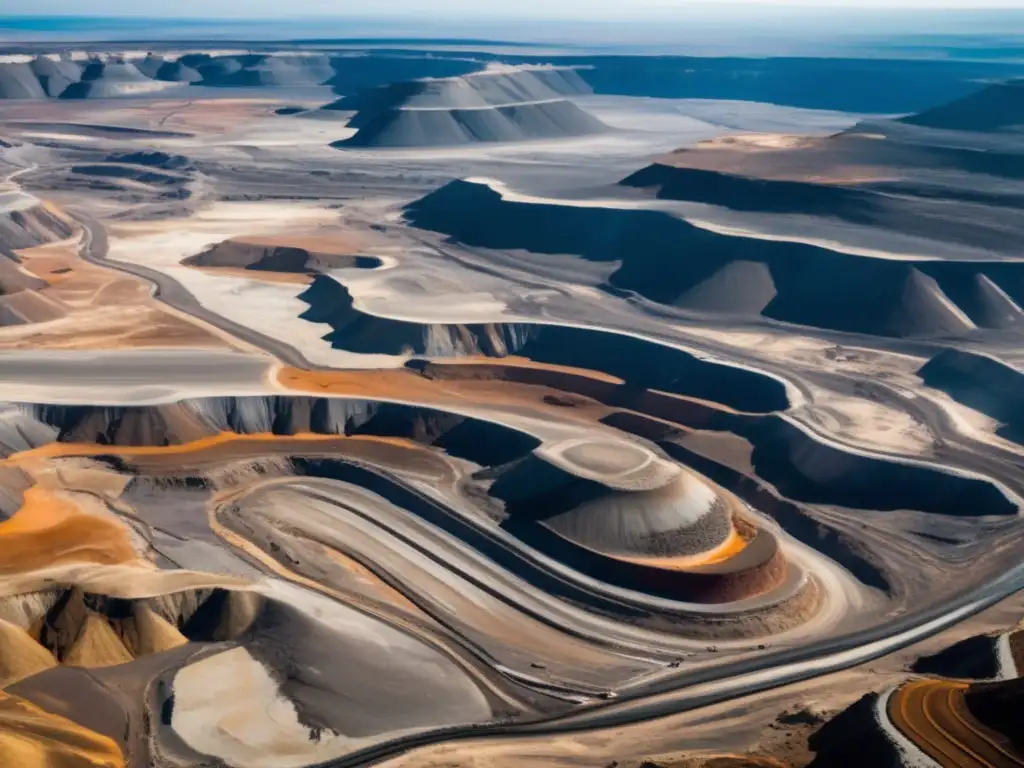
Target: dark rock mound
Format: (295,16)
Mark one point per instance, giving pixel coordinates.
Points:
(108,79)
(975,658)
(983,383)
(439,127)
(995,108)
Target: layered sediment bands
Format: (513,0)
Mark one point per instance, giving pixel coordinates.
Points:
(498,105)
(878,186)
(493,87)
(269,257)
(854,739)
(50,528)
(683,516)
(210,421)
(957,724)
(671,261)
(983,383)
(758,569)
(110,79)
(192,420)
(807,470)
(637,362)
(851,554)
(73,627)
(331,303)
(663,538)
(27,306)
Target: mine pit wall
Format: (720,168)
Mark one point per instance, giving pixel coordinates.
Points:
(788,514)
(760,569)
(999,706)
(788,612)
(202,614)
(638,362)
(980,382)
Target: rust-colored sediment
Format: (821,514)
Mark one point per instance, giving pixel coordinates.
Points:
(933,714)
(31,737)
(50,529)
(106,309)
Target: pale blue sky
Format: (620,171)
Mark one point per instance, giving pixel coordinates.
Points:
(592,9)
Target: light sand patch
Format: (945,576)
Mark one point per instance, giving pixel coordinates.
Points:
(51,529)
(263,275)
(134,580)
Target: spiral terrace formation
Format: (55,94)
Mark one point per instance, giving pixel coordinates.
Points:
(311,455)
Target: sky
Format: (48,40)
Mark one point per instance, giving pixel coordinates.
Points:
(592,9)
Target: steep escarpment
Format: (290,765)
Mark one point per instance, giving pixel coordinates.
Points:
(254,254)
(997,107)
(26,221)
(983,383)
(497,105)
(110,79)
(638,362)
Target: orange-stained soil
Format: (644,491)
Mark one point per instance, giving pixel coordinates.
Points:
(933,715)
(31,737)
(49,529)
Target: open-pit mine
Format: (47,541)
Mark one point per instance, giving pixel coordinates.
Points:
(444,406)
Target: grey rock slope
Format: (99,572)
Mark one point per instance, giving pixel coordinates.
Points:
(490,106)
